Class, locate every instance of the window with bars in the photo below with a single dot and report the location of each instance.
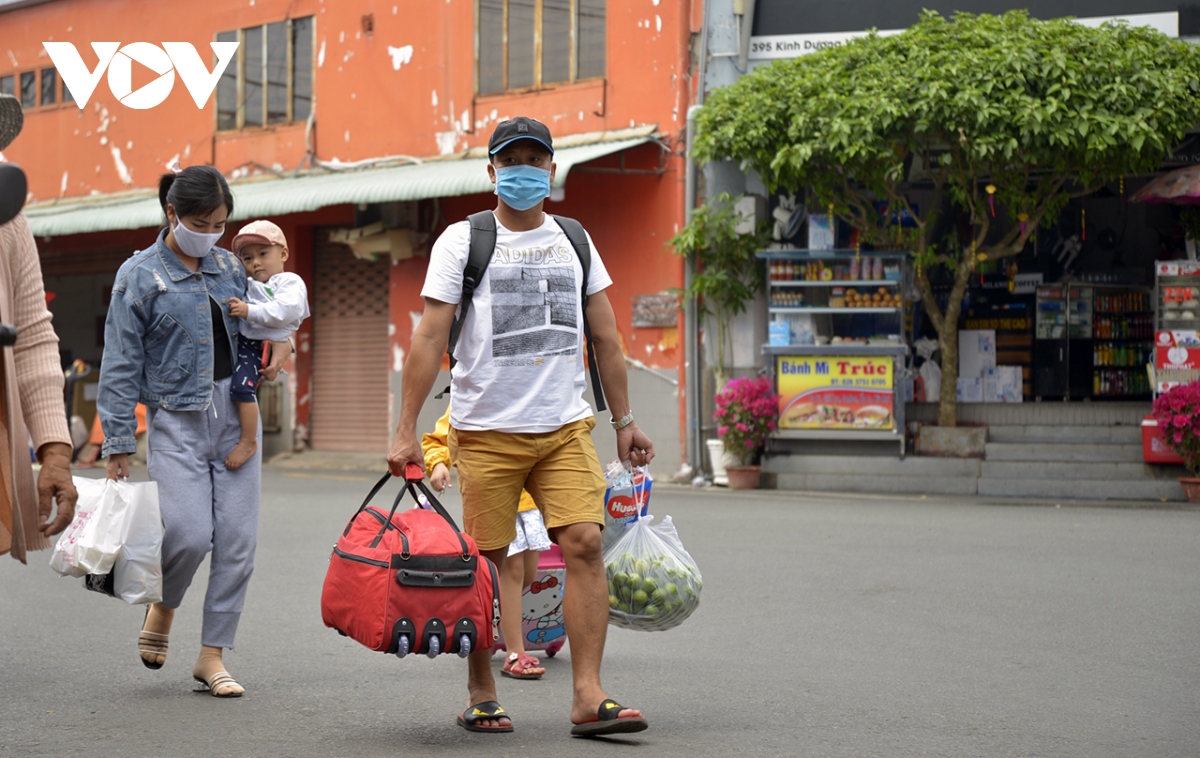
(530, 44)
(36, 89)
(271, 81)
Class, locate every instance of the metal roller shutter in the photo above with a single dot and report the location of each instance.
(350, 350)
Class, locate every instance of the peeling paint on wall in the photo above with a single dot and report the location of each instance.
(321, 55)
(397, 358)
(122, 170)
(446, 142)
(435, 98)
(400, 56)
(658, 23)
(63, 190)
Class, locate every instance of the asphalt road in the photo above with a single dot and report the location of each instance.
(829, 626)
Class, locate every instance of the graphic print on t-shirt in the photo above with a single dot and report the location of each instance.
(534, 307)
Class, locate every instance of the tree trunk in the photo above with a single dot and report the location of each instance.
(948, 340)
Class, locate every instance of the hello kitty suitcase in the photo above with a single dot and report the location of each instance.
(541, 606)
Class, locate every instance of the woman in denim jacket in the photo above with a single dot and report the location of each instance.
(169, 342)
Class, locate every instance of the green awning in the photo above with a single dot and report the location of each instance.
(258, 198)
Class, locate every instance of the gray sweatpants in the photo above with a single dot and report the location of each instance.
(206, 507)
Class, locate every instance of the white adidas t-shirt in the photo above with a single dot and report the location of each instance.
(520, 353)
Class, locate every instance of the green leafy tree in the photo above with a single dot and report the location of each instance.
(728, 274)
(1035, 111)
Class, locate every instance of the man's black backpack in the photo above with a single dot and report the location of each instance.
(483, 245)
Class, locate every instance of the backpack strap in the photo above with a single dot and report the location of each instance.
(579, 240)
(483, 245)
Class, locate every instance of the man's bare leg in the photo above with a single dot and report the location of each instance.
(585, 615)
(248, 416)
(481, 682)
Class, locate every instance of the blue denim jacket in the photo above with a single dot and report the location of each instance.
(158, 338)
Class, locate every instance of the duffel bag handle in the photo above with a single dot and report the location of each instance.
(370, 496)
(414, 478)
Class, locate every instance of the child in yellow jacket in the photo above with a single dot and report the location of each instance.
(518, 572)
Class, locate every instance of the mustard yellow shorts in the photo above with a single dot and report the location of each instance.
(560, 469)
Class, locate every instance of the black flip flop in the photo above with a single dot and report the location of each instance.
(488, 710)
(607, 723)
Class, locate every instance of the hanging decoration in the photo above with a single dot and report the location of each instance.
(1083, 221)
(991, 190)
(1022, 217)
(1122, 182)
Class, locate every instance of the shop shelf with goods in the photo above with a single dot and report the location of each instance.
(1176, 324)
(1092, 341)
(837, 346)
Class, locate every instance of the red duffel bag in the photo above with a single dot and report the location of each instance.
(411, 582)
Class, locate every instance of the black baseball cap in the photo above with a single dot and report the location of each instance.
(521, 127)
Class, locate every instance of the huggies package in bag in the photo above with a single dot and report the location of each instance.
(626, 500)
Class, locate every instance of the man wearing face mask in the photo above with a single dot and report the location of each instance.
(169, 342)
(518, 415)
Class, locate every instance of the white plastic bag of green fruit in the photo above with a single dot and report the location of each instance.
(653, 584)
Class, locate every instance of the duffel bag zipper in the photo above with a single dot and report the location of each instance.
(360, 559)
(495, 600)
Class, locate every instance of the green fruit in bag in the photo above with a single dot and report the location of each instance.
(635, 580)
(621, 579)
(640, 597)
(652, 610)
(658, 597)
(623, 607)
(649, 584)
(613, 601)
(672, 589)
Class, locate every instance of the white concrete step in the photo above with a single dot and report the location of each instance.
(1128, 435)
(881, 466)
(1087, 470)
(898, 485)
(1063, 451)
(1155, 490)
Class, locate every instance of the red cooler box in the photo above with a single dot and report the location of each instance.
(1154, 447)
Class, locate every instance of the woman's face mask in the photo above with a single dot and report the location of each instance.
(522, 187)
(195, 244)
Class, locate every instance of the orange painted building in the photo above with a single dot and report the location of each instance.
(358, 126)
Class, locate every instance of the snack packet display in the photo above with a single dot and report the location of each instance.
(653, 584)
(626, 500)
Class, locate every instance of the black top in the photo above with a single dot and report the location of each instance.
(222, 357)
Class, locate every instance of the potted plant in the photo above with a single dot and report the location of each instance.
(746, 413)
(1178, 414)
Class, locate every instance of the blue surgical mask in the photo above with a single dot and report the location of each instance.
(522, 187)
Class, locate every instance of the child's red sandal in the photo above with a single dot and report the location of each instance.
(518, 665)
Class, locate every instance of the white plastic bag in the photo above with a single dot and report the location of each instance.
(115, 540)
(90, 543)
(653, 583)
(137, 573)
